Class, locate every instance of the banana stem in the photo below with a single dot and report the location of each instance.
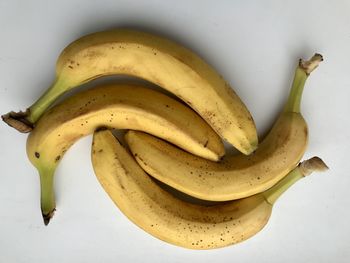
(45, 100)
(303, 169)
(48, 204)
(294, 99)
(278, 189)
(301, 73)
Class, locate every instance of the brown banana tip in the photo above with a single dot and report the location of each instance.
(314, 164)
(18, 121)
(47, 217)
(309, 65)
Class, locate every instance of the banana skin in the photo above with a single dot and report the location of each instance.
(114, 106)
(177, 222)
(236, 176)
(157, 60)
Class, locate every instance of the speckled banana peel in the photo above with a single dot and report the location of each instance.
(118, 106)
(177, 222)
(236, 176)
(159, 61)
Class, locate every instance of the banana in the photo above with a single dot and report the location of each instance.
(116, 106)
(173, 220)
(236, 176)
(159, 61)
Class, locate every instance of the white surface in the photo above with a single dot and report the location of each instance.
(255, 46)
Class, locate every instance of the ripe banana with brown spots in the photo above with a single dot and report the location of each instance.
(173, 220)
(236, 176)
(157, 60)
(115, 106)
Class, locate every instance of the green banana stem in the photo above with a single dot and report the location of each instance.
(294, 99)
(48, 204)
(45, 100)
(301, 74)
(278, 189)
(305, 168)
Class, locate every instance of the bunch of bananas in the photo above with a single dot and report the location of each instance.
(244, 186)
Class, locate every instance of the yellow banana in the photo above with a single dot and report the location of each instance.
(175, 221)
(157, 60)
(116, 106)
(235, 176)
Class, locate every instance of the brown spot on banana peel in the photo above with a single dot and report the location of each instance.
(58, 158)
(139, 158)
(206, 143)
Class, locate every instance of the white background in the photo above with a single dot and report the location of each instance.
(255, 46)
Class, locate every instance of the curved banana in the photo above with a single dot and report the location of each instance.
(157, 60)
(175, 221)
(235, 176)
(116, 106)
